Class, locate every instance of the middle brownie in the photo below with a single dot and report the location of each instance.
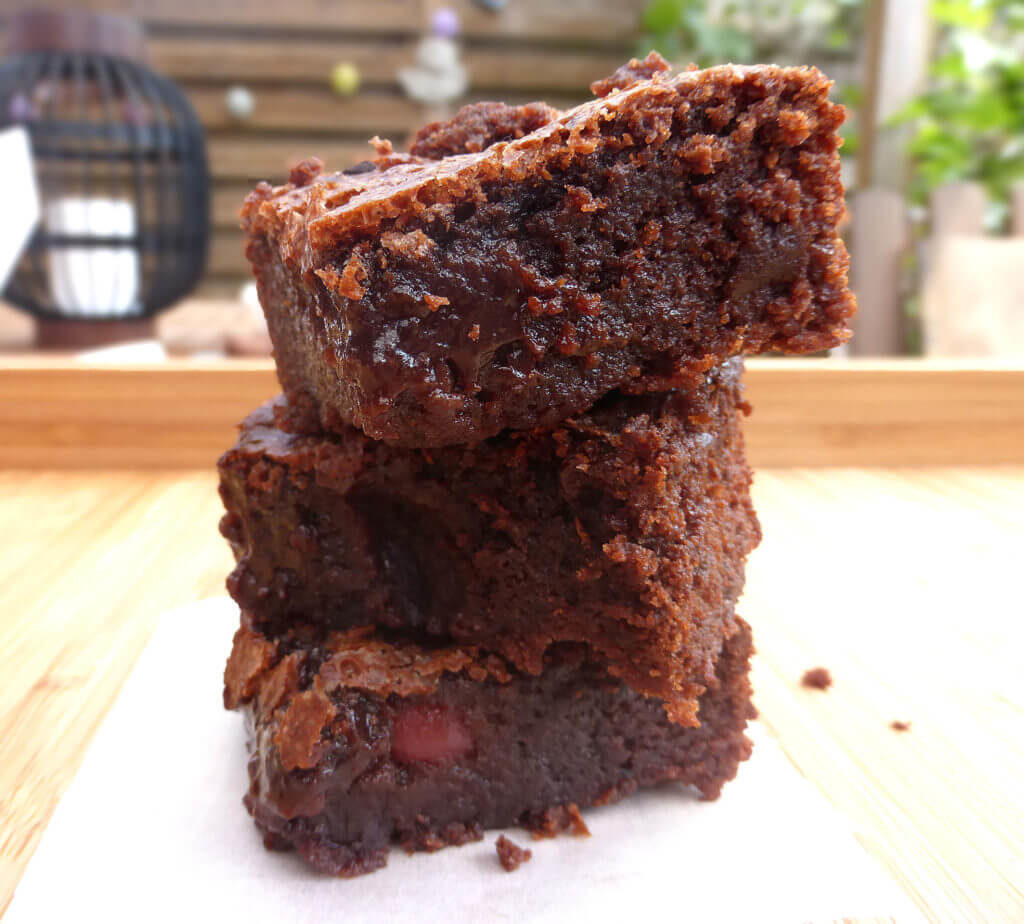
(626, 528)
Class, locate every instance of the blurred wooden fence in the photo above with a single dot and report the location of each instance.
(283, 52)
(971, 282)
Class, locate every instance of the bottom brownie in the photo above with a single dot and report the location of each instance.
(357, 742)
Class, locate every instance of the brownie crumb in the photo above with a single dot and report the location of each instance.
(477, 126)
(630, 74)
(558, 819)
(897, 725)
(576, 822)
(303, 173)
(817, 678)
(510, 855)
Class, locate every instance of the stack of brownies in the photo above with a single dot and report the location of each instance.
(490, 540)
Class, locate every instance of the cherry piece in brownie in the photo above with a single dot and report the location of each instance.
(626, 528)
(521, 262)
(358, 743)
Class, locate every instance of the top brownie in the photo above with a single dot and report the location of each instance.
(519, 263)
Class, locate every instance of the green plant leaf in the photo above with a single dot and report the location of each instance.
(662, 16)
(963, 13)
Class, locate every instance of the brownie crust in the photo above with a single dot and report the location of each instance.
(536, 260)
(477, 126)
(627, 528)
(358, 743)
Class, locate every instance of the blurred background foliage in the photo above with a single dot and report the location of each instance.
(786, 31)
(969, 123)
(705, 32)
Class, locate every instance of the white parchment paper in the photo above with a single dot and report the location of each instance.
(152, 829)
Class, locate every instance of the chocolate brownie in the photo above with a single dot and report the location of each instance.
(536, 260)
(359, 742)
(627, 528)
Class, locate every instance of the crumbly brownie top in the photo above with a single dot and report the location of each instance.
(629, 74)
(358, 658)
(477, 126)
(299, 675)
(337, 210)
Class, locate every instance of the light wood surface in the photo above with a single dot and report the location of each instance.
(64, 414)
(905, 585)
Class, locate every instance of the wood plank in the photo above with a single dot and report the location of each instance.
(611, 21)
(879, 238)
(177, 414)
(262, 59)
(227, 198)
(361, 16)
(312, 110)
(318, 111)
(251, 159)
(885, 412)
(226, 256)
(60, 414)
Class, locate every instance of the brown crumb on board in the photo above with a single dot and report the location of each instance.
(897, 725)
(553, 821)
(817, 678)
(510, 855)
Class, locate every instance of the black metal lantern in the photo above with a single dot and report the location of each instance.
(121, 170)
